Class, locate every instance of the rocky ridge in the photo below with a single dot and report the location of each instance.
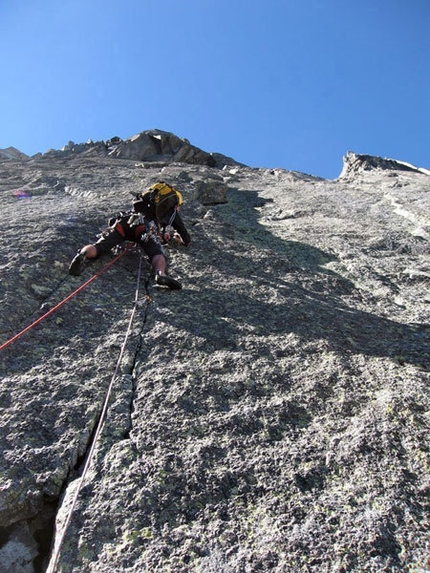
(271, 416)
(153, 145)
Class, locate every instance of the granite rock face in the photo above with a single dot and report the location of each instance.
(271, 416)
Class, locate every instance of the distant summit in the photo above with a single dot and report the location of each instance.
(12, 153)
(163, 147)
(354, 163)
(153, 145)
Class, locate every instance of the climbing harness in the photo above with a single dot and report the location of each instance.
(56, 552)
(60, 304)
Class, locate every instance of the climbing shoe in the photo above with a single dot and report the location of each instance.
(77, 265)
(164, 280)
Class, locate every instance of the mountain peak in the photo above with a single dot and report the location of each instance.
(153, 145)
(354, 163)
(12, 153)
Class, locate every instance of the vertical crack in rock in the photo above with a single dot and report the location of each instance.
(46, 537)
(129, 368)
(26, 546)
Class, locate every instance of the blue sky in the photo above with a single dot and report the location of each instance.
(275, 83)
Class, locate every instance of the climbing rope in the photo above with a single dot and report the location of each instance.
(60, 304)
(56, 552)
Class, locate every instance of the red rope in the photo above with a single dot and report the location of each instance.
(60, 304)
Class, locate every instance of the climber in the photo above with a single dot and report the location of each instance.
(154, 219)
(161, 203)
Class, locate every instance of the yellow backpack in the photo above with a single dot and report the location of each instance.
(164, 198)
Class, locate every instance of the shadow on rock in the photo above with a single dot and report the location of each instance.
(269, 286)
(243, 292)
(241, 212)
(227, 317)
